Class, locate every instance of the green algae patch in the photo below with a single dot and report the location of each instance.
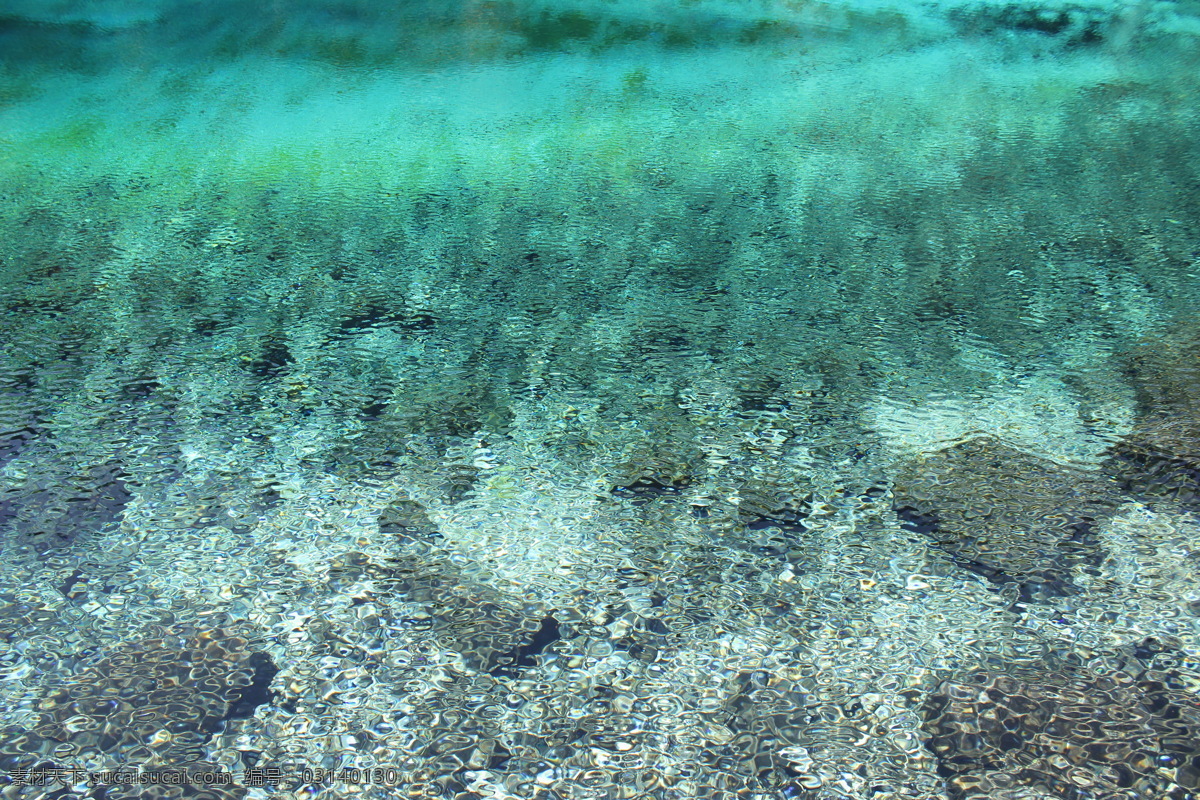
(71, 136)
(14, 88)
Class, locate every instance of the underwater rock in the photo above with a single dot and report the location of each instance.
(645, 489)
(1160, 458)
(19, 417)
(1070, 733)
(526, 654)
(763, 504)
(153, 703)
(426, 594)
(86, 501)
(1006, 515)
(1160, 462)
(273, 360)
(1070, 25)
(407, 519)
(155, 685)
(375, 316)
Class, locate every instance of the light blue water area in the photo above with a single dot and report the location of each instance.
(694, 399)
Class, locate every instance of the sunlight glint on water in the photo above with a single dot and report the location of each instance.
(599, 400)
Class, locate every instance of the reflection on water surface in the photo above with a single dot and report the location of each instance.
(599, 400)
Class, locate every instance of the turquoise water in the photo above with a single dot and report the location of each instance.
(600, 400)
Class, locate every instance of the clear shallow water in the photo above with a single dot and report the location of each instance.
(695, 401)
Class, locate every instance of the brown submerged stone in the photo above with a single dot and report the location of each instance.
(1074, 732)
(1160, 459)
(1007, 515)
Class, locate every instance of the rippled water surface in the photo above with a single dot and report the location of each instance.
(506, 400)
